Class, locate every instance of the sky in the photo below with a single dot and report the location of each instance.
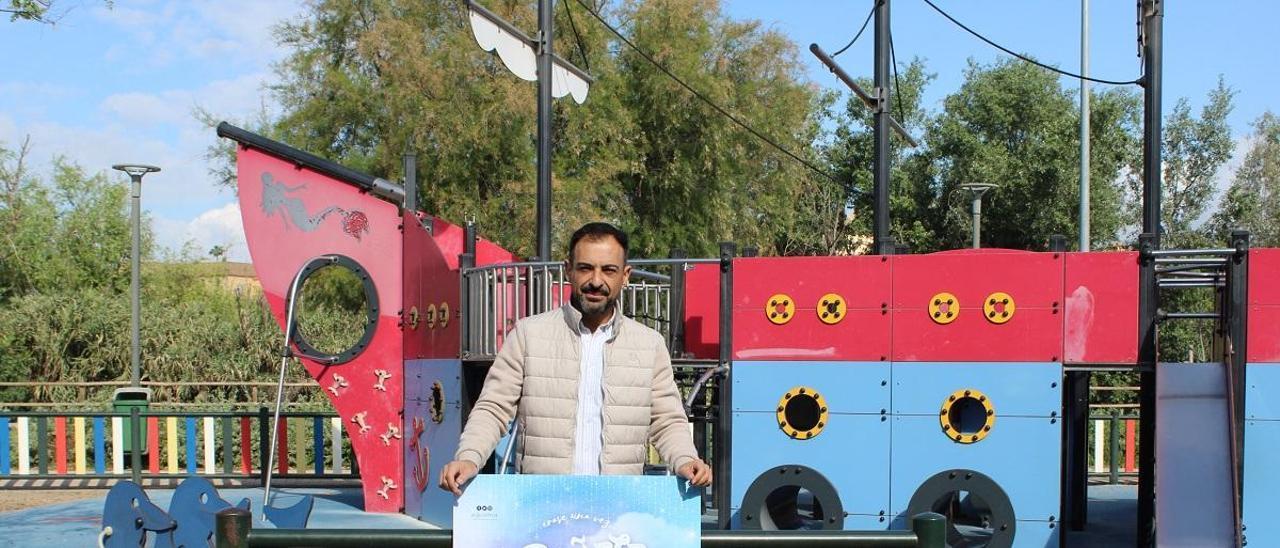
(119, 82)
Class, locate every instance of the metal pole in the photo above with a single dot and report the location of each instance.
(231, 529)
(1152, 56)
(977, 220)
(1084, 126)
(1148, 305)
(1149, 241)
(544, 127)
(1113, 442)
(136, 172)
(724, 389)
(135, 283)
(883, 240)
(930, 529)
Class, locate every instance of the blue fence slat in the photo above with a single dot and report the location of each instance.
(100, 445)
(4, 446)
(192, 442)
(317, 424)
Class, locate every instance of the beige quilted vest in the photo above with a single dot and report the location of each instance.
(535, 379)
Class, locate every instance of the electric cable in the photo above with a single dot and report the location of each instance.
(704, 98)
(576, 38)
(1028, 59)
(897, 85)
(856, 36)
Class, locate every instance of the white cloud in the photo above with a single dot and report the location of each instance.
(220, 226)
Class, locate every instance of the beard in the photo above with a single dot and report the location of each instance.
(593, 307)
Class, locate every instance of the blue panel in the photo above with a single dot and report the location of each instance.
(435, 442)
(100, 446)
(852, 452)
(4, 446)
(1261, 482)
(1262, 391)
(1028, 534)
(191, 446)
(317, 446)
(419, 375)
(1015, 389)
(1022, 455)
(848, 387)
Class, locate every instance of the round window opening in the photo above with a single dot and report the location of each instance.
(967, 416)
(969, 519)
(336, 313)
(791, 508)
(802, 413)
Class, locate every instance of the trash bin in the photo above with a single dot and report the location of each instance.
(124, 400)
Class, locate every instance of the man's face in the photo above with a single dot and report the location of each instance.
(598, 271)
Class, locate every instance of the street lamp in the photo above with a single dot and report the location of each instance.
(977, 189)
(136, 171)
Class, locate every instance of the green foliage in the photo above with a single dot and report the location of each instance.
(367, 81)
(1012, 124)
(64, 299)
(1252, 202)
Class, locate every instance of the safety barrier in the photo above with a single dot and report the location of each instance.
(496, 296)
(234, 530)
(172, 444)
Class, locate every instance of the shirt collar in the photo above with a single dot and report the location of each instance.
(574, 317)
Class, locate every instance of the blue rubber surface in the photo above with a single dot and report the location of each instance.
(78, 523)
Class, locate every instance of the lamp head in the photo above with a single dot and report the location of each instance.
(135, 170)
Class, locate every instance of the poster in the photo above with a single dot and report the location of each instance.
(534, 511)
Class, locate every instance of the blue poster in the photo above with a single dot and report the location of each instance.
(534, 511)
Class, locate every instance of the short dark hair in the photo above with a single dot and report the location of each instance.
(597, 231)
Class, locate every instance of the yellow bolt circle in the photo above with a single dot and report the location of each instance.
(444, 315)
(431, 316)
(831, 308)
(998, 308)
(944, 308)
(967, 416)
(802, 413)
(780, 308)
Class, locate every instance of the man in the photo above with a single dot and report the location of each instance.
(588, 385)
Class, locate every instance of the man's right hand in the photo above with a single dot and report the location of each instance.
(455, 474)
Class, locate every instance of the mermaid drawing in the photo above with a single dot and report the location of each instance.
(276, 197)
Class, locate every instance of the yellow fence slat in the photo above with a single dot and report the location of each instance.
(171, 442)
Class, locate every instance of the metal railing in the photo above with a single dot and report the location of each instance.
(496, 296)
(169, 444)
(234, 529)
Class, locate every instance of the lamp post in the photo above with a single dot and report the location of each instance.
(977, 189)
(135, 171)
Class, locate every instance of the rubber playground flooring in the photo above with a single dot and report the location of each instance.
(1112, 515)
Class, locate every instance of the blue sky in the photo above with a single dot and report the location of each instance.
(119, 84)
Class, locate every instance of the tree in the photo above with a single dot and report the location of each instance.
(1193, 150)
(1011, 124)
(1252, 202)
(367, 81)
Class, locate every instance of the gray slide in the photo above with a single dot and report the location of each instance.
(1195, 498)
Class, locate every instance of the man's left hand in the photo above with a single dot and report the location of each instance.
(697, 472)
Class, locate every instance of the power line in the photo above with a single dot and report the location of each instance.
(856, 36)
(1028, 59)
(704, 98)
(581, 51)
(897, 84)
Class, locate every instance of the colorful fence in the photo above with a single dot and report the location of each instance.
(172, 444)
(1113, 444)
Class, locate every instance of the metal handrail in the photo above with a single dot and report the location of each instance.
(497, 295)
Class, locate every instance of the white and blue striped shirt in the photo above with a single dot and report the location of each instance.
(589, 440)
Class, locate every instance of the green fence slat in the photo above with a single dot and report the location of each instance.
(228, 446)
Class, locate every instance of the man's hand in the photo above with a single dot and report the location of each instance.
(697, 472)
(459, 472)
